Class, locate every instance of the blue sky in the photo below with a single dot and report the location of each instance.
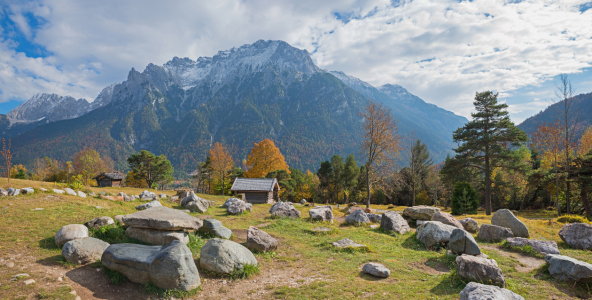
(442, 51)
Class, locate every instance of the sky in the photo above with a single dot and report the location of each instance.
(442, 51)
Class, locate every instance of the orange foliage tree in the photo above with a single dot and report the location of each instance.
(585, 144)
(88, 163)
(221, 162)
(264, 158)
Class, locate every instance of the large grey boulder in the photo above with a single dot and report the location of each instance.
(478, 291)
(224, 256)
(70, 191)
(28, 190)
(321, 213)
(432, 233)
(169, 267)
(229, 202)
(84, 251)
(239, 207)
(70, 232)
(13, 192)
(162, 218)
(446, 218)
(376, 269)
(216, 228)
(81, 194)
(493, 233)
(157, 237)
(200, 206)
(374, 218)
(284, 210)
(505, 218)
(99, 222)
(259, 240)
(462, 242)
(281, 205)
(475, 268)
(469, 225)
(566, 268)
(148, 205)
(542, 247)
(577, 235)
(420, 212)
(347, 243)
(392, 221)
(146, 195)
(358, 217)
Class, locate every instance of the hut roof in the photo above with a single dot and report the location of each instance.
(112, 176)
(254, 184)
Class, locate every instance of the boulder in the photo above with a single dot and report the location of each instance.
(13, 192)
(81, 194)
(146, 195)
(281, 205)
(184, 193)
(150, 204)
(174, 198)
(462, 242)
(303, 201)
(284, 210)
(505, 218)
(479, 269)
(127, 198)
(493, 233)
(119, 219)
(196, 204)
(229, 202)
(321, 213)
(566, 268)
(392, 221)
(169, 267)
(157, 237)
(469, 225)
(84, 251)
(162, 196)
(446, 218)
(70, 232)
(260, 241)
(542, 247)
(191, 197)
(376, 269)
(162, 218)
(420, 212)
(3, 192)
(345, 243)
(70, 191)
(224, 256)
(358, 217)
(577, 235)
(322, 229)
(121, 194)
(216, 228)
(239, 207)
(99, 222)
(432, 233)
(374, 218)
(58, 191)
(478, 291)
(29, 190)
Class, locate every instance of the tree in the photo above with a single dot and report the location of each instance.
(40, 168)
(88, 163)
(18, 172)
(349, 176)
(264, 158)
(337, 179)
(464, 199)
(153, 169)
(484, 141)
(381, 141)
(419, 161)
(585, 144)
(7, 158)
(583, 175)
(548, 140)
(325, 173)
(221, 162)
(133, 180)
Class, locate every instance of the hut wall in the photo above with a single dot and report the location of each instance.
(257, 197)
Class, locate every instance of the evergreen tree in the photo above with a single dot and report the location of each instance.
(419, 164)
(337, 179)
(350, 175)
(153, 169)
(483, 141)
(325, 173)
(582, 174)
(464, 199)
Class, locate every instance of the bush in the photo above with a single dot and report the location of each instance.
(464, 199)
(572, 219)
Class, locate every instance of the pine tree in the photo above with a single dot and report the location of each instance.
(350, 175)
(153, 169)
(337, 180)
(582, 174)
(484, 141)
(464, 199)
(325, 173)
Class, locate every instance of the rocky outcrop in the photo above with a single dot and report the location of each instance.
(420, 212)
(478, 291)
(392, 221)
(84, 251)
(157, 237)
(492, 233)
(224, 256)
(260, 241)
(376, 269)
(469, 225)
(479, 269)
(577, 235)
(462, 242)
(70, 232)
(99, 222)
(566, 268)
(542, 247)
(446, 218)
(215, 227)
(13, 192)
(162, 218)
(505, 218)
(321, 213)
(433, 233)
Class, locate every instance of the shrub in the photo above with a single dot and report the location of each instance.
(464, 199)
(571, 219)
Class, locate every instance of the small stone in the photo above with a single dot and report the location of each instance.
(376, 269)
(60, 279)
(20, 276)
(99, 222)
(29, 281)
(70, 191)
(374, 226)
(37, 209)
(9, 264)
(77, 298)
(73, 293)
(81, 194)
(345, 243)
(321, 229)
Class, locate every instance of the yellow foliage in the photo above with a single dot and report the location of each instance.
(131, 181)
(264, 158)
(585, 142)
(221, 161)
(15, 168)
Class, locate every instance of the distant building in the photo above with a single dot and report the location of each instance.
(257, 190)
(109, 179)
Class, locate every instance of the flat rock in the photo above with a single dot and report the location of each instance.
(577, 235)
(239, 207)
(493, 233)
(376, 269)
(479, 269)
(25, 191)
(392, 221)
(345, 243)
(478, 291)
(70, 191)
(216, 228)
(542, 247)
(420, 212)
(462, 242)
(260, 241)
(446, 218)
(58, 191)
(469, 225)
(148, 205)
(566, 268)
(432, 233)
(224, 256)
(162, 218)
(322, 229)
(157, 237)
(99, 222)
(505, 218)
(70, 232)
(29, 281)
(81, 194)
(84, 251)
(321, 213)
(358, 217)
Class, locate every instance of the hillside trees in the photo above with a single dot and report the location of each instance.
(7, 158)
(153, 169)
(548, 140)
(221, 162)
(88, 163)
(265, 157)
(582, 174)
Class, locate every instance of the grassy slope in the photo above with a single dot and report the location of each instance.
(338, 273)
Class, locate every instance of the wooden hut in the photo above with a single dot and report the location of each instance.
(257, 190)
(109, 179)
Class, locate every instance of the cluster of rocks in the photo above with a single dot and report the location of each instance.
(77, 246)
(284, 210)
(360, 217)
(160, 225)
(30, 190)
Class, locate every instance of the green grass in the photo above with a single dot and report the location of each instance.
(526, 249)
(150, 288)
(115, 277)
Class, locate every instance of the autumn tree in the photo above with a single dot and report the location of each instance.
(484, 141)
(264, 158)
(381, 140)
(18, 172)
(548, 140)
(221, 162)
(133, 180)
(153, 169)
(7, 158)
(40, 168)
(585, 144)
(88, 163)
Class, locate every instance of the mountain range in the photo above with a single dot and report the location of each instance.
(267, 89)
